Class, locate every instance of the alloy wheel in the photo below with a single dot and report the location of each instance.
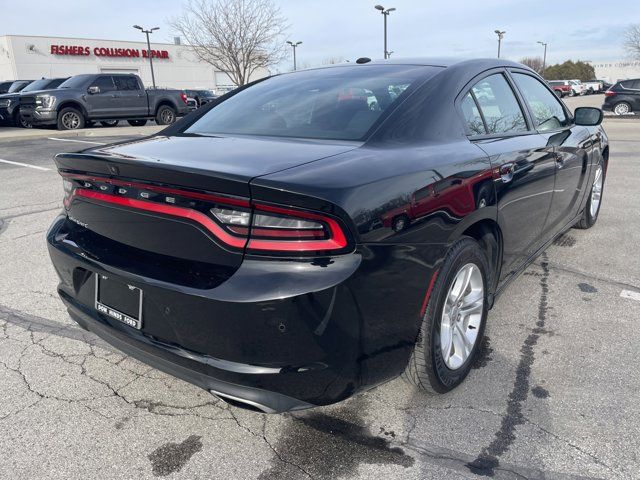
(167, 116)
(596, 193)
(71, 120)
(461, 316)
(621, 109)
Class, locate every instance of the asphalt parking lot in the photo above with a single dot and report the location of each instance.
(554, 394)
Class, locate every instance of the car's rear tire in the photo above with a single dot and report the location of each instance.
(137, 123)
(622, 108)
(109, 123)
(70, 119)
(165, 115)
(453, 325)
(594, 202)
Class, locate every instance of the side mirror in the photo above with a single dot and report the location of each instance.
(93, 90)
(588, 116)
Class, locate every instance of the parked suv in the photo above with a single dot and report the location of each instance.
(561, 87)
(623, 98)
(10, 102)
(104, 98)
(13, 86)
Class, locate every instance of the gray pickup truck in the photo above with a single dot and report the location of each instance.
(106, 98)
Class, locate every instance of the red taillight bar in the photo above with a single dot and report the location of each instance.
(172, 210)
(609, 93)
(299, 243)
(337, 241)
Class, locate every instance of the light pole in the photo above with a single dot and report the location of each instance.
(147, 32)
(544, 59)
(500, 35)
(294, 45)
(386, 13)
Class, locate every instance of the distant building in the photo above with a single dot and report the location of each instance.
(32, 57)
(613, 71)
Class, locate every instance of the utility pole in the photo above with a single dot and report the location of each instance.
(544, 59)
(294, 45)
(147, 32)
(386, 13)
(500, 35)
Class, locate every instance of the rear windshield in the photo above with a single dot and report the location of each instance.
(339, 103)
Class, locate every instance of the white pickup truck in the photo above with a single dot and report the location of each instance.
(578, 87)
(593, 86)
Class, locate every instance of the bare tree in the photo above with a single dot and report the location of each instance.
(332, 60)
(534, 63)
(235, 36)
(632, 41)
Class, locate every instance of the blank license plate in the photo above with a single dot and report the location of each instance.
(119, 301)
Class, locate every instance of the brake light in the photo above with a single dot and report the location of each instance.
(609, 93)
(236, 222)
(183, 96)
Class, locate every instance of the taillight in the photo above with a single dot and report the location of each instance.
(236, 222)
(609, 93)
(276, 229)
(183, 96)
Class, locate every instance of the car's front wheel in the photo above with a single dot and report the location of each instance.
(592, 209)
(454, 320)
(70, 119)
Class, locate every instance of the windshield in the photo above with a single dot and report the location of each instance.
(339, 103)
(17, 86)
(76, 82)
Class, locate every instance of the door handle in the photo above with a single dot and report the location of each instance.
(506, 171)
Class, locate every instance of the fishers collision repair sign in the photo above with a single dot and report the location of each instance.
(76, 50)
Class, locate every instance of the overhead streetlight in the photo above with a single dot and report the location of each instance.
(147, 32)
(500, 34)
(386, 13)
(294, 45)
(544, 59)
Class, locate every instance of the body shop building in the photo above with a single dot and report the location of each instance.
(175, 66)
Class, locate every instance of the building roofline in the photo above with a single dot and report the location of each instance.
(92, 39)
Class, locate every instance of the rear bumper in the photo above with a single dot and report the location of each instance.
(241, 339)
(277, 334)
(186, 366)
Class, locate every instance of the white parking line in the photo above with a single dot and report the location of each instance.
(75, 141)
(630, 294)
(23, 165)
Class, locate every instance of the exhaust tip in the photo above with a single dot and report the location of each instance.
(243, 403)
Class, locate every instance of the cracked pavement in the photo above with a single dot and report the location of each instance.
(554, 394)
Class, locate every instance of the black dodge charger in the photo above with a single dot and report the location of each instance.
(314, 234)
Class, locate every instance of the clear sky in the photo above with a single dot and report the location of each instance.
(574, 29)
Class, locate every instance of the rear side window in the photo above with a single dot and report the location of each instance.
(472, 115)
(126, 83)
(105, 83)
(547, 111)
(499, 106)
